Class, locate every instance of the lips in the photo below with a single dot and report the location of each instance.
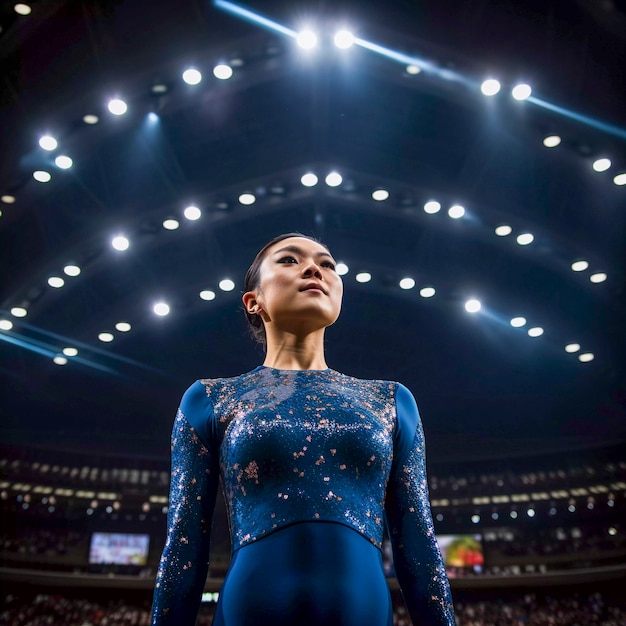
(316, 286)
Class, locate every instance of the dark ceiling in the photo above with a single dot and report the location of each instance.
(484, 387)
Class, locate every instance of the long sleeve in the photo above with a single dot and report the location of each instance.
(417, 559)
(193, 488)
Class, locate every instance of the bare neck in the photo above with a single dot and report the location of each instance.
(290, 352)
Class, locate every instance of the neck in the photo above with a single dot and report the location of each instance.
(290, 352)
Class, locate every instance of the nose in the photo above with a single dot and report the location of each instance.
(311, 268)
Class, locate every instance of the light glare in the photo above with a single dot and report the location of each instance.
(620, 179)
(207, 295)
(120, 243)
(117, 106)
(70, 351)
(525, 239)
(572, 347)
(192, 76)
(380, 194)
(551, 141)
(64, 162)
(192, 213)
(344, 39)
(8, 199)
(247, 199)
(41, 176)
(223, 71)
(598, 277)
(71, 270)
(170, 224)
(19, 311)
(413, 70)
(309, 179)
(490, 87)
(456, 211)
(60, 360)
(22, 8)
(56, 281)
(226, 284)
(334, 179)
(503, 230)
(47, 142)
(521, 91)
(307, 39)
(363, 277)
(432, 206)
(407, 283)
(342, 269)
(123, 327)
(106, 337)
(535, 331)
(161, 309)
(6, 324)
(601, 165)
(427, 292)
(91, 119)
(586, 357)
(580, 266)
(473, 306)
(518, 322)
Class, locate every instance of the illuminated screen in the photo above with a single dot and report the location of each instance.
(119, 548)
(462, 551)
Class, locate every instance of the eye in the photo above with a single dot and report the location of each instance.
(287, 259)
(329, 264)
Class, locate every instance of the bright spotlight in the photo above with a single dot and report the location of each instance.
(579, 266)
(117, 106)
(344, 39)
(620, 179)
(521, 92)
(7, 199)
(503, 230)
(432, 206)
(535, 331)
(551, 141)
(427, 292)
(413, 70)
(18, 311)
(473, 306)
(380, 194)
(47, 142)
(309, 180)
(525, 238)
(598, 277)
(21, 8)
(70, 351)
(123, 327)
(518, 322)
(6, 324)
(207, 294)
(170, 224)
(407, 283)
(247, 199)
(222, 71)
(106, 337)
(572, 347)
(192, 76)
(59, 360)
(161, 309)
(342, 269)
(56, 281)
(120, 243)
(192, 213)
(601, 165)
(90, 119)
(490, 87)
(307, 39)
(226, 284)
(456, 211)
(41, 176)
(363, 277)
(334, 179)
(63, 162)
(586, 357)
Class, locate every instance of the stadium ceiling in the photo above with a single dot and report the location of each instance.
(150, 148)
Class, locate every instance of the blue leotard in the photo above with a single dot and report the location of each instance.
(313, 463)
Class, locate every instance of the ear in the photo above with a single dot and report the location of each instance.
(249, 301)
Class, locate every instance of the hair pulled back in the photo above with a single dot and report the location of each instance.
(252, 279)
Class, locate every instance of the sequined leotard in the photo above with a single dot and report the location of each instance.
(312, 463)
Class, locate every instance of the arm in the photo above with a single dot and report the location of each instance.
(417, 559)
(193, 487)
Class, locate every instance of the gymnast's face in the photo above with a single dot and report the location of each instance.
(299, 289)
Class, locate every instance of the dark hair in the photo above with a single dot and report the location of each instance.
(251, 282)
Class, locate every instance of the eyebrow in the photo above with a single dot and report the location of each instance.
(298, 250)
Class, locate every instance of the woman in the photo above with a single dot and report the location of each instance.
(312, 462)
